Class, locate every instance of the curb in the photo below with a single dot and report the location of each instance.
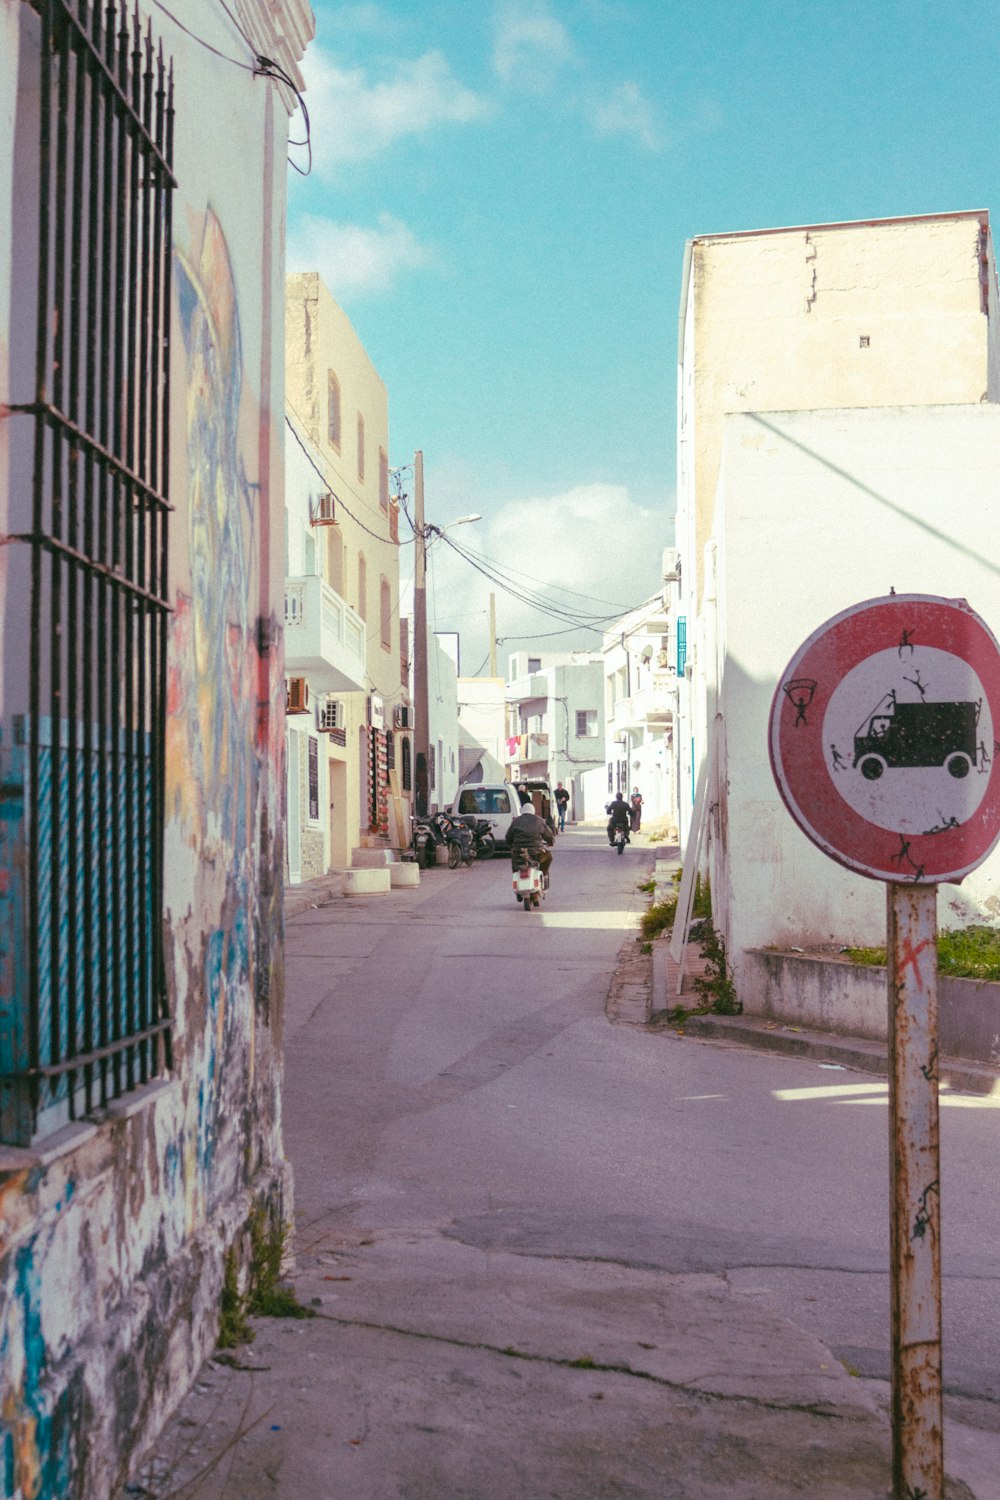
(852, 1052)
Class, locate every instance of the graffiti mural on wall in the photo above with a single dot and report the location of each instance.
(213, 761)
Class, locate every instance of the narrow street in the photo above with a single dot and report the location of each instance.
(549, 1256)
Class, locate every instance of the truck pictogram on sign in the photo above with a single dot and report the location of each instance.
(899, 735)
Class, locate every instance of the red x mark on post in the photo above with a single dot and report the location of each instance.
(910, 956)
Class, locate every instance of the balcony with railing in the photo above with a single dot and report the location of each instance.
(324, 637)
(651, 706)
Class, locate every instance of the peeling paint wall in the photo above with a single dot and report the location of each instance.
(113, 1232)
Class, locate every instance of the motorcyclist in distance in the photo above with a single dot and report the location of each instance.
(620, 817)
(530, 832)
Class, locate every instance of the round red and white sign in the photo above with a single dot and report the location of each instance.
(884, 738)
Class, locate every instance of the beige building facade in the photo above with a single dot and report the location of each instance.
(349, 722)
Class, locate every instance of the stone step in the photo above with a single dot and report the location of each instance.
(367, 881)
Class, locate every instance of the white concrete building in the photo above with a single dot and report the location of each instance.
(482, 728)
(837, 439)
(442, 719)
(643, 666)
(555, 718)
(885, 312)
(349, 725)
(818, 511)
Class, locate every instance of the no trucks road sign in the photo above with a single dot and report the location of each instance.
(884, 736)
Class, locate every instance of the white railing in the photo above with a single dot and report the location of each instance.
(324, 636)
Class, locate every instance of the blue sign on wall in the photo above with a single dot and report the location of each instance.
(682, 644)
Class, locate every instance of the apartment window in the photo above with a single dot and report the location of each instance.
(333, 410)
(586, 723)
(385, 613)
(335, 558)
(81, 839)
(383, 479)
(407, 764)
(362, 586)
(534, 663)
(313, 778)
(361, 447)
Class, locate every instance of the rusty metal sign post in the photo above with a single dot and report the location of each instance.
(915, 1182)
(884, 740)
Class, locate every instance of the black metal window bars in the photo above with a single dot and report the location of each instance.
(92, 1019)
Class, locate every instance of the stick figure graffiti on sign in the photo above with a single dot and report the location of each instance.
(838, 760)
(799, 692)
(984, 759)
(905, 644)
(921, 687)
(943, 824)
(903, 852)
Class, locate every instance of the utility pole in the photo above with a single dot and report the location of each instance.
(493, 635)
(421, 717)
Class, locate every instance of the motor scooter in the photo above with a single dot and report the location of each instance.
(530, 882)
(621, 838)
(482, 835)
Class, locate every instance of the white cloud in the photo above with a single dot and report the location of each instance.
(592, 538)
(530, 46)
(352, 258)
(355, 117)
(626, 111)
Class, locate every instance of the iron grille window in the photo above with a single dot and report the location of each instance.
(89, 1003)
(407, 765)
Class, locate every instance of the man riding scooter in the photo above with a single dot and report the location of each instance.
(619, 810)
(530, 833)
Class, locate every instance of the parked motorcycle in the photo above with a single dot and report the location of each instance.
(529, 882)
(485, 843)
(442, 831)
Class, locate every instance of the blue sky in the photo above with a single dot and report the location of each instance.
(500, 198)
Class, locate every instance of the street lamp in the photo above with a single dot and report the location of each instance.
(425, 534)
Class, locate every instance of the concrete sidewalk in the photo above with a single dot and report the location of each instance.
(471, 1360)
(436, 1369)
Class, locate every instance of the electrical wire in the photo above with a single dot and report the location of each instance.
(267, 68)
(531, 598)
(261, 67)
(357, 521)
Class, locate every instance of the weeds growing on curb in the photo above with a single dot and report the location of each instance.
(716, 986)
(265, 1296)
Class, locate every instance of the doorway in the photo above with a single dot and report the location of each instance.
(337, 782)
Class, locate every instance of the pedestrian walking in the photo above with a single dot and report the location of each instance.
(562, 803)
(635, 809)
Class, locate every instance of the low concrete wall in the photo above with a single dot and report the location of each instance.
(826, 993)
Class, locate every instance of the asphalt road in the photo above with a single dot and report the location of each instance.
(450, 1070)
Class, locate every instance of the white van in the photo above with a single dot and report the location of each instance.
(499, 804)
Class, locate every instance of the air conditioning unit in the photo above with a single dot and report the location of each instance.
(324, 510)
(330, 715)
(402, 716)
(297, 701)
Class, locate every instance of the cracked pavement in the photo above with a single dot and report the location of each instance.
(549, 1256)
